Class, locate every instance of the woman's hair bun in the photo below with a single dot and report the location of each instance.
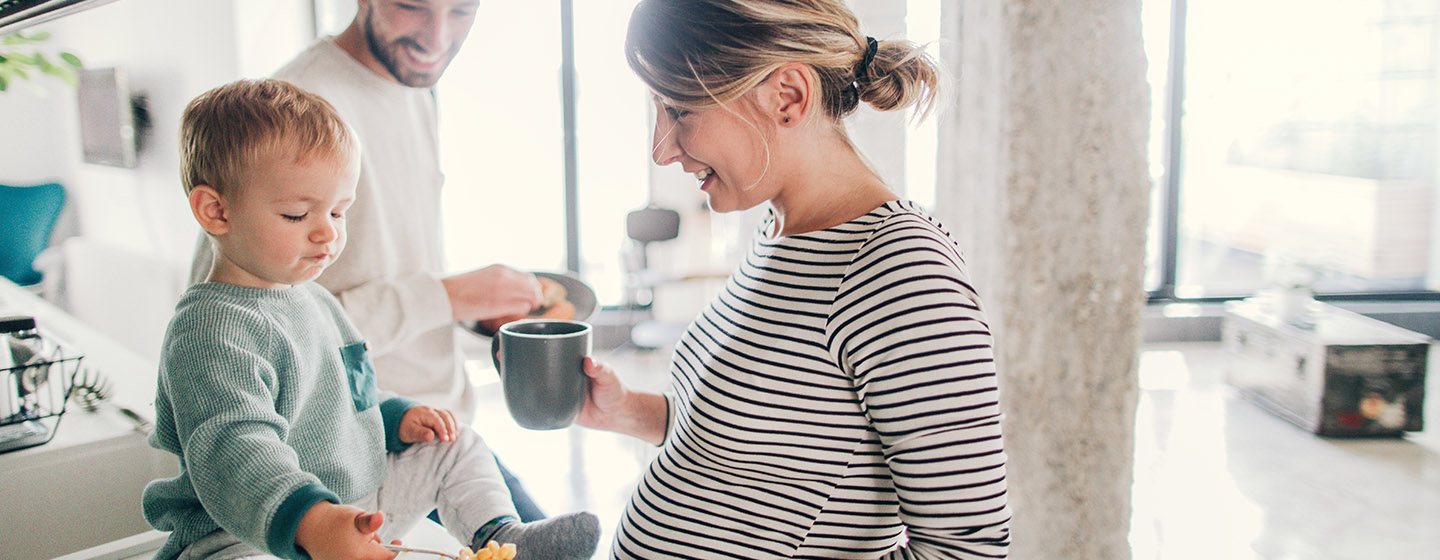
(902, 74)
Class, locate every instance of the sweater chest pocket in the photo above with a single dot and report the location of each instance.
(361, 374)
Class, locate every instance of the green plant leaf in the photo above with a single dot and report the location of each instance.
(3, 81)
(19, 60)
(21, 38)
(64, 73)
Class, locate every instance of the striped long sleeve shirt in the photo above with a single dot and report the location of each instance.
(838, 399)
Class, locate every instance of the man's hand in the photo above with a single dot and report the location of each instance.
(331, 531)
(493, 291)
(425, 423)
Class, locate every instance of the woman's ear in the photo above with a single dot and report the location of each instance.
(789, 94)
(209, 209)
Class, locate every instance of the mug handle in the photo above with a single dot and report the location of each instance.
(495, 353)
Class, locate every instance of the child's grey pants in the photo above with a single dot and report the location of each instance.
(458, 478)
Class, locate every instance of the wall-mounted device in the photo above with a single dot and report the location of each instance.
(111, 119)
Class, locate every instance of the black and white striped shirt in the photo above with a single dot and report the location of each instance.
(837, 400)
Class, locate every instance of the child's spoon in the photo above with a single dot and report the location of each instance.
(398, 548)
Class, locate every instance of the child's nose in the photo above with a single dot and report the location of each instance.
(326, 232)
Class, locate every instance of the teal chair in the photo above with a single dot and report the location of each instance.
(27, 217)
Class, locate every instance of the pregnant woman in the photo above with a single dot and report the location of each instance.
(838, 399)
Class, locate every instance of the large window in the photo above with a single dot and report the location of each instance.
(502, 141)
(1297, 138)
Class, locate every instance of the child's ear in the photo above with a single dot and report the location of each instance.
(209, 209)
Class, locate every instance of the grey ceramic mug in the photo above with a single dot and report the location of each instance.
(540, 365)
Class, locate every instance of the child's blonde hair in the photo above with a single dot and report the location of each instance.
(229, 128)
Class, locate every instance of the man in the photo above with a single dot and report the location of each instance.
(379, 73)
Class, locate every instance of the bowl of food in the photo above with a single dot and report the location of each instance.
(564, 297)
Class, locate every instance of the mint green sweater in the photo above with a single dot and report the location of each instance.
(268, 398)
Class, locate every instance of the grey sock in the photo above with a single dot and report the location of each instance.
(572, 536)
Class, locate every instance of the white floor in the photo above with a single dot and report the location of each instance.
(1218, 477)
(1215, 476)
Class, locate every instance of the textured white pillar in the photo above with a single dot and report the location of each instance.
(1045, 185)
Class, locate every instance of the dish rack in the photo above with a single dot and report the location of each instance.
(34, 386)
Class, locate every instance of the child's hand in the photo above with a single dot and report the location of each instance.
(341, 532)
(424, 423)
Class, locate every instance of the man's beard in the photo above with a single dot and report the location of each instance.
(388, 58)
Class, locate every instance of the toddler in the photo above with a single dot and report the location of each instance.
(266, 393)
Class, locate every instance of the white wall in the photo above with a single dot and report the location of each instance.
(137, 231)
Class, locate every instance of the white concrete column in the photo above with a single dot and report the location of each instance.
(1043, 180)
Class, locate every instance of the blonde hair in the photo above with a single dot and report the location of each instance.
(702, 53)
(227, 129)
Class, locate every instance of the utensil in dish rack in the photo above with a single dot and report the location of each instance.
(26, 360)
(90, 390)
(413, 550)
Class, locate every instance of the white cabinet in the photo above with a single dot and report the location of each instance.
(82, 488)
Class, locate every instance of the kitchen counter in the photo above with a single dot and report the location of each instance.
(82, 488)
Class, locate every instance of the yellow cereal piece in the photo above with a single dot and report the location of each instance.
(492, 551)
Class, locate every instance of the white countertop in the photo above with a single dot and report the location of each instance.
(83, 487)
(78, 496)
